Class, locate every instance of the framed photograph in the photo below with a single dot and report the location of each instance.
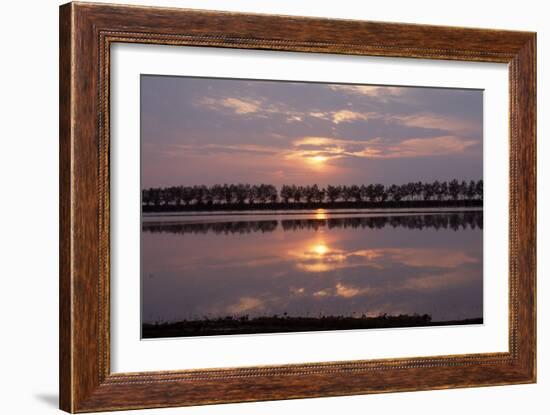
(260, 207)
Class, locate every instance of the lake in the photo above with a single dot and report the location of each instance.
(348, 265)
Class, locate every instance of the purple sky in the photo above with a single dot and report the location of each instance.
(208, 130)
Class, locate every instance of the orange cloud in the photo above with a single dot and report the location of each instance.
(435, 146)
(246, 304)
(250, 107)
(322, 293)
(438, 121)
(348, 291)
(434, 282)
(342, 290)
(369, 90)
(347, 116)
(238, 105)
(423, 257)
(334, 148)
(319, 257)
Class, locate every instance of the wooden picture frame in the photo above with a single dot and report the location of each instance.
(86, 33)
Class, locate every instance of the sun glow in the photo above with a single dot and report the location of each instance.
(317, 160)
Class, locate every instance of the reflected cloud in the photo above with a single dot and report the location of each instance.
(321, 293)
(297, 291)
(246, 304)
(438, 258)
(435, 281)
(349, 291)
(317, 257)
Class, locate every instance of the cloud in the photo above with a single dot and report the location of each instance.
(379, 148)
(453, 135)
(322, 293)
(320, 114)
(348, 116)
(207, 149)
(261, 108)
(251, 107)
(240, 106)
(435, 146)
(315, 141)
(437, 121)
(237, 105)
(315, 152)
(370, 90)
(344, 116)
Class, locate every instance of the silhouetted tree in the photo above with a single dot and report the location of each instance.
(333, 193)
(479, 189)
(297, 193)
(286, 193)
(454, 189)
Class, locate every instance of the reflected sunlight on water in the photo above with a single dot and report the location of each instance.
(321, 214)
(313, 266)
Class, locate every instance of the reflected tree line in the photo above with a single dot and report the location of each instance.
(452, 221)
(224, 196)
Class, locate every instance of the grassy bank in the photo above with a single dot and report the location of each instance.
(280, 324)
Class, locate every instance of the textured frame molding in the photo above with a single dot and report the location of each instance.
(86, 33)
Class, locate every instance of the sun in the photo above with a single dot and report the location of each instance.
(317, 161)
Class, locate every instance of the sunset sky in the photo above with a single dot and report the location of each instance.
(208, 131)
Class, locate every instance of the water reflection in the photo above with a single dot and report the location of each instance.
(321, 214)
(319, 257)
(317, 266)
(453, 221)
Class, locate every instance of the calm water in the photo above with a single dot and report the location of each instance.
(311, 264)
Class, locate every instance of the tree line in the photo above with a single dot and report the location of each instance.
(261, 194)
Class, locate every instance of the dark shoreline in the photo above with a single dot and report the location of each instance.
(264, 325)
(312, 205)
